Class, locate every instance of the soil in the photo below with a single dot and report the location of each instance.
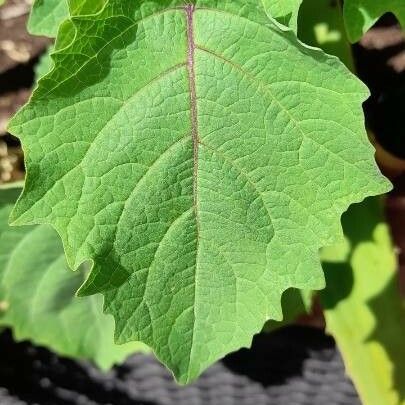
(17, 46)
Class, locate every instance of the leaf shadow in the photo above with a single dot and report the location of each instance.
(285, 19)
(86, 44)
(358, 229)
(80, 63)
(65, 293)
(274, 358)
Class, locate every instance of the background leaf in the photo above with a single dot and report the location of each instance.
(321, 24)
(361, 15)
(284, 11)
(363, 308)
(294, 304)
(37, 295)
(200, 167)
(44, 64)
(46, 17)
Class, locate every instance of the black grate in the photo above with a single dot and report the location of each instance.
(291, 366)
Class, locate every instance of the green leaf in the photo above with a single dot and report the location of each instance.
(85, 7)
(363, 308)
(37, 295)
(321, 24)
(200, 158)
(44, 64)
(46, 17)
(361, 15)
(284, 11)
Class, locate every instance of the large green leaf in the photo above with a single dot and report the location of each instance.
(199, 157)
(47, 15)
(37, 295)
(363, 308)
(284, 11)
(360, 15)
(320, 24)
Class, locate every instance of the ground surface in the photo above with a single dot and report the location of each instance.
(292, 366)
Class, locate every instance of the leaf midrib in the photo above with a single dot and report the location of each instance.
(191, 46)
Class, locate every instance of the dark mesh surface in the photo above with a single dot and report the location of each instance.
(292, 366)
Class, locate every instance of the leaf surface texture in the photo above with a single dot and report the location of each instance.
(199, 156)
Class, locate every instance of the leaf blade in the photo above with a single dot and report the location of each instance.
(263, 232)
(46, 16)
